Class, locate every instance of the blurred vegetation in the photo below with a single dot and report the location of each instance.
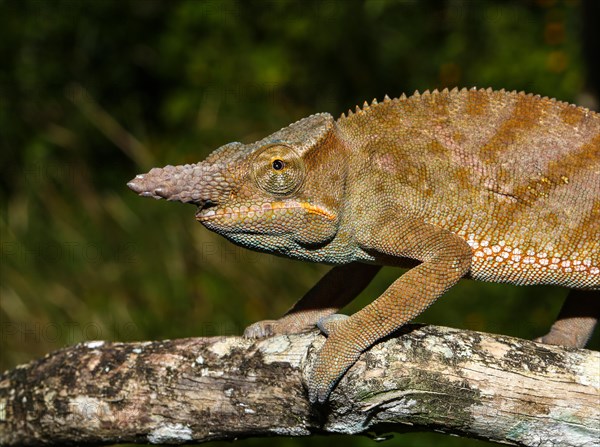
(94, 92)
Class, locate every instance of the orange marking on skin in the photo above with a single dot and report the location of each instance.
(317, 210)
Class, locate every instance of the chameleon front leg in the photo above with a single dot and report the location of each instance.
(445, 259)
(337, 288)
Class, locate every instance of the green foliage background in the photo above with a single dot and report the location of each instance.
(93, 92)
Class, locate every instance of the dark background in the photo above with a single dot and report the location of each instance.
(94, 92)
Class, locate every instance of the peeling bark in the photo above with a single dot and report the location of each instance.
(200, 389)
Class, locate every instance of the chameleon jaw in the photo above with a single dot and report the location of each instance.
(208, 213)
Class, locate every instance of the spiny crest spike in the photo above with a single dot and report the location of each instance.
(403, 96)
(435, 91)
(374, 102)
(489, 90)
(473, 89)
(445, 91)
(386, 98)
(454, 90)
(416, 94)
(464, 89)
(365, 105)
(357, 109)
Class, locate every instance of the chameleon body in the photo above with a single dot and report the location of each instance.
(493, 185)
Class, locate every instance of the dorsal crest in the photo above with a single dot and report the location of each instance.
(455, 93)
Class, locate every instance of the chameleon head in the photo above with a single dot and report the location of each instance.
(281, 194)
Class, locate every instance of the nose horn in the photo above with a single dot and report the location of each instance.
(160, 183)
(138, 185)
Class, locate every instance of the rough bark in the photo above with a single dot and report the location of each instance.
(200, 389)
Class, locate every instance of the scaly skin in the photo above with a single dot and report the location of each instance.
(493, 185)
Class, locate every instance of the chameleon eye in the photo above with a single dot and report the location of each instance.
(278, 169)
(278, 165)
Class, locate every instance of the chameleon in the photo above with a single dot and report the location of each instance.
(486, 184)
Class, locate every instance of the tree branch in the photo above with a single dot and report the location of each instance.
(199, 389)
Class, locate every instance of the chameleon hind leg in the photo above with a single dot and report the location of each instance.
(576, 321)
(337, 288)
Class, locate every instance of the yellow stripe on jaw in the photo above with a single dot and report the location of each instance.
(317, 210)
(309, 207)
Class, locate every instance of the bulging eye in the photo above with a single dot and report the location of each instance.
(278, 169)
(278, 165)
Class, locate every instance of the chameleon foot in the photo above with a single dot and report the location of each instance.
(334, 359)
(261, 329)
(285, 325)
(576, 320)
(557, 336)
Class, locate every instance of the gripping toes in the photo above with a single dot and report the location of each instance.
(334, 359)
(285, 325)
(261, 329)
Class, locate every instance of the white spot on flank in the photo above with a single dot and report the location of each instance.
(94, 344)
(200, 360)
(137, 350)
(170, 433)
(2, 410)
(474, 244)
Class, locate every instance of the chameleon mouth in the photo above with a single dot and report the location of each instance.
(207, 211)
